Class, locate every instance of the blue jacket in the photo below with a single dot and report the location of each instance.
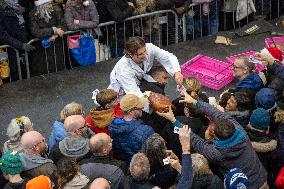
(128, 136)
(57, 134)
(252, 81)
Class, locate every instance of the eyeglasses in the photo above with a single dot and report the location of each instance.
(42, 141)
(84, 126)
(237, 67)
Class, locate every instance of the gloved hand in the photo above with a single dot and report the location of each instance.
(19, 9)
(27, 47)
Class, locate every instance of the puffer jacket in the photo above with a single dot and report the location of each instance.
(40, 28)
(87, 15)
(57, 134)
(128, 136)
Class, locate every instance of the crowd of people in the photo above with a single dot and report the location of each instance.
(21, 21)
(136, 137)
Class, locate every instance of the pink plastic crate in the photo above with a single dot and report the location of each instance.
(269, 41)
(258, 67)
(211, 73)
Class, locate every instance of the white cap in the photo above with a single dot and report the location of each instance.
(41, 2)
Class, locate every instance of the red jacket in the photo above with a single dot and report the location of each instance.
(103, 118)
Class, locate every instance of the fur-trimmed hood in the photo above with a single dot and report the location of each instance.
(279, 116)
(264, 147)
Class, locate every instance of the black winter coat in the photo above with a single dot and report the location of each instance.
(40, 28)
(11, 32)
(116, 10)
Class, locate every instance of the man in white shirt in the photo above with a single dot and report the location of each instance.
(137, 62)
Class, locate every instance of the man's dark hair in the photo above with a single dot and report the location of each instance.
(224, 129)
(133, 44)
(156, 70)
(243, 101)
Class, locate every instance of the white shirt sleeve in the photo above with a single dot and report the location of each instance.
(129, 84)
(167, 59)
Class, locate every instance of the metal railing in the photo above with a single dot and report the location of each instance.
(111, 32)
(168, 26)
(14, 55)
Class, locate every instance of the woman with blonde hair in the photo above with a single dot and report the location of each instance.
(58, 132)
(192, 87)
(16, 128)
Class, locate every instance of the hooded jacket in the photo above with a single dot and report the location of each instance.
(76, 148)
(34, 166)
(264, 145)
(78, 182)
(128, 136)
(99, 120)
(236, 151)
(57, 134)
(252, 81)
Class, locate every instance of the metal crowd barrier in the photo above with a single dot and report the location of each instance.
(171, 28)
(15, 55)
(111, 36)
(268, 9)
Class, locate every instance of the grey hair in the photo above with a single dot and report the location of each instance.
(139, 167)
(247, 63)
(42, 12)
(14, 130)
(200, 165)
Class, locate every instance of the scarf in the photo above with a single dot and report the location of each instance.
(237, 137)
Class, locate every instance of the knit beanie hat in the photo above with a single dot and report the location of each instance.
(260, 119)
(273, 52)
(40, 182)
(236, 179)
(74, 147)
(11, 163)
(265, 98)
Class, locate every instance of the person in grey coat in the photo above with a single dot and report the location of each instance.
(81, 15)
(231, 146)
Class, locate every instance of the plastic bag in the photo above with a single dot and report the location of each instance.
(85, 53)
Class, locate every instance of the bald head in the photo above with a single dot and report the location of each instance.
(31, 138)
(100, 183)
(100, 144)
(33, 142)
(73, 123)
